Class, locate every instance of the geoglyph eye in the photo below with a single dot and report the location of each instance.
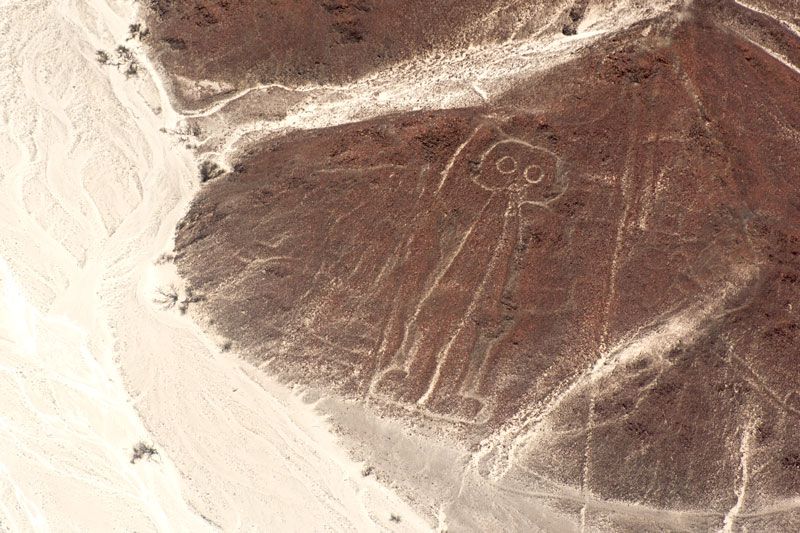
(506, 165)
(533, 173)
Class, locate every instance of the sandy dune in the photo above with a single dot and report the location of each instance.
(91, 191)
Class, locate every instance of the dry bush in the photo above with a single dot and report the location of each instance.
(167, 298)
(210, 170)
(189, 299)
(142, 450)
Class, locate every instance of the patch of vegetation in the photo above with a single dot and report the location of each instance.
(168, 298)
(186, 131)
(367, 470)
(210, 170)
(189, 299)
(142, 450)
(122, 58)
(193, 129)
(165, 258)
(162, 7)
(124, 53)
(137, 31)
(132, 70)
(394, 518)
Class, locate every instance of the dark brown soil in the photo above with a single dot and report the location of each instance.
(245, 42)
(473, 266)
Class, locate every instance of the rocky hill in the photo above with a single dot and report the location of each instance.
(589, 279)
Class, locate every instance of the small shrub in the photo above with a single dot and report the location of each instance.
(394, 518)
(136, 31)
(142, 450)
(226, 346)
(210, 170)
(124, 53)
(190, 298)
(102, 57)
(165, 258)
(132, 70)
(367, 471)
(167, 298)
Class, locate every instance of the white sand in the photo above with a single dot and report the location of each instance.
(90, 191)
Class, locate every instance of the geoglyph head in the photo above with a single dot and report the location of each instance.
(516, 166)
